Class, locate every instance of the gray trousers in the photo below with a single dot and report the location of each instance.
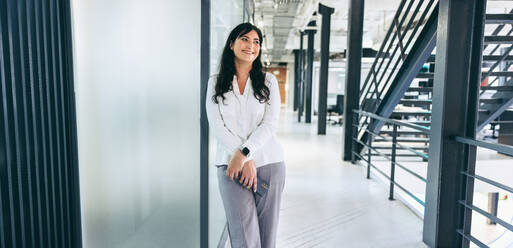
(252, 219)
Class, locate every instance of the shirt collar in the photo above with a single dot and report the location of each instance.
(236, 85)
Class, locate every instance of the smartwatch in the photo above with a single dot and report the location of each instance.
(245, 151)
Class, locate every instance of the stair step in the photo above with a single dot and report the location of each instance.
(421, 123)
(483, 114)
(431, 58)
(491, 100)
(423, 148)
(402, 132)
(397, 154)
(498, 88)
(499, 19)
(426, 75)
(500, 74)
(496, 57)
(415, 102)
(499, 39)
(410, 140)
(410, 113)
(420, 89)
(430, 75)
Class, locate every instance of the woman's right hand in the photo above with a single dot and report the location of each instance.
(249, 175)
(235, 165)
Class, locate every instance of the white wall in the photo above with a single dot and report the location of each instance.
(137, 88)
(336, 83)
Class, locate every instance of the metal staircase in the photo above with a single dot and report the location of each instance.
(496, 96)
(388, 90)
(407, 46)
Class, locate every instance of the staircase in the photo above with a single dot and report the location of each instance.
(404, 92)
(496, 96)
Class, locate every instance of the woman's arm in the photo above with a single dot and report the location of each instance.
(226, 138)
(267, 128)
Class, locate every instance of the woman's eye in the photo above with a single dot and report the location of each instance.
(257, 42)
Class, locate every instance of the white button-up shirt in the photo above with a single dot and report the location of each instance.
(242, 121)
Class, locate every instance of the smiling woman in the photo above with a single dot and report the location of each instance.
(243, 108)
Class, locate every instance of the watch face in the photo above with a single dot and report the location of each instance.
(245, 151)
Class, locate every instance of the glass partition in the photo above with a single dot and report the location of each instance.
(137, 74)
(225, 15)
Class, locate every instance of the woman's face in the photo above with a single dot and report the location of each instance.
(246, 47)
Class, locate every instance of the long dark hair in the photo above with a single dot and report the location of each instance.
(227, 67)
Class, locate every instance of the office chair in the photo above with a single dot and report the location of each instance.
(338, 109)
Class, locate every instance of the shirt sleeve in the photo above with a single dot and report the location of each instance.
(224, 136)
(269, 124)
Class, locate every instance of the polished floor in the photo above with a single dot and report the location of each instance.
(329, 203)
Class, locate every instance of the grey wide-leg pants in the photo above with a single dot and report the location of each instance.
(252, 219)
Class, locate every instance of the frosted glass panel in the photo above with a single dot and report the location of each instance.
(225, 15)
(137, 74)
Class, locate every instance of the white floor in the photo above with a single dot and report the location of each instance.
(329, 203)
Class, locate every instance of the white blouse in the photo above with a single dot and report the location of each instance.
(242, 121)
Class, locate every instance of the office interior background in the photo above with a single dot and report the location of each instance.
(397, 121)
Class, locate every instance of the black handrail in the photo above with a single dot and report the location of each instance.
(492, 146)
(392, 158)
(380, 52)
(396, 25)
(467, 204)
(423, 129)
(388, 81)
(407, 21)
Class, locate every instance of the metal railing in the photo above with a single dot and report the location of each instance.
(393, 157)
(470, 176)
(398, 38)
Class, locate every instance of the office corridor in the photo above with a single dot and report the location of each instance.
(329, 203)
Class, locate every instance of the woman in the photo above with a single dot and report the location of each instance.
(243, 108)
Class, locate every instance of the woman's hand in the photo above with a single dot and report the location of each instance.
(235, 165)
(249, 175)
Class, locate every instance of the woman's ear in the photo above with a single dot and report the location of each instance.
(231, 45)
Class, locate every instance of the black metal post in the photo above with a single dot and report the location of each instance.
(369, 155)
(301, 98)
(392, 163)
(204, 131)
(455, 104)
(323, 78)
(493, 205)
(353, 141)
(296, 78)
(503, 66)
(353, 71)
(309, 71)
(243, 10)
